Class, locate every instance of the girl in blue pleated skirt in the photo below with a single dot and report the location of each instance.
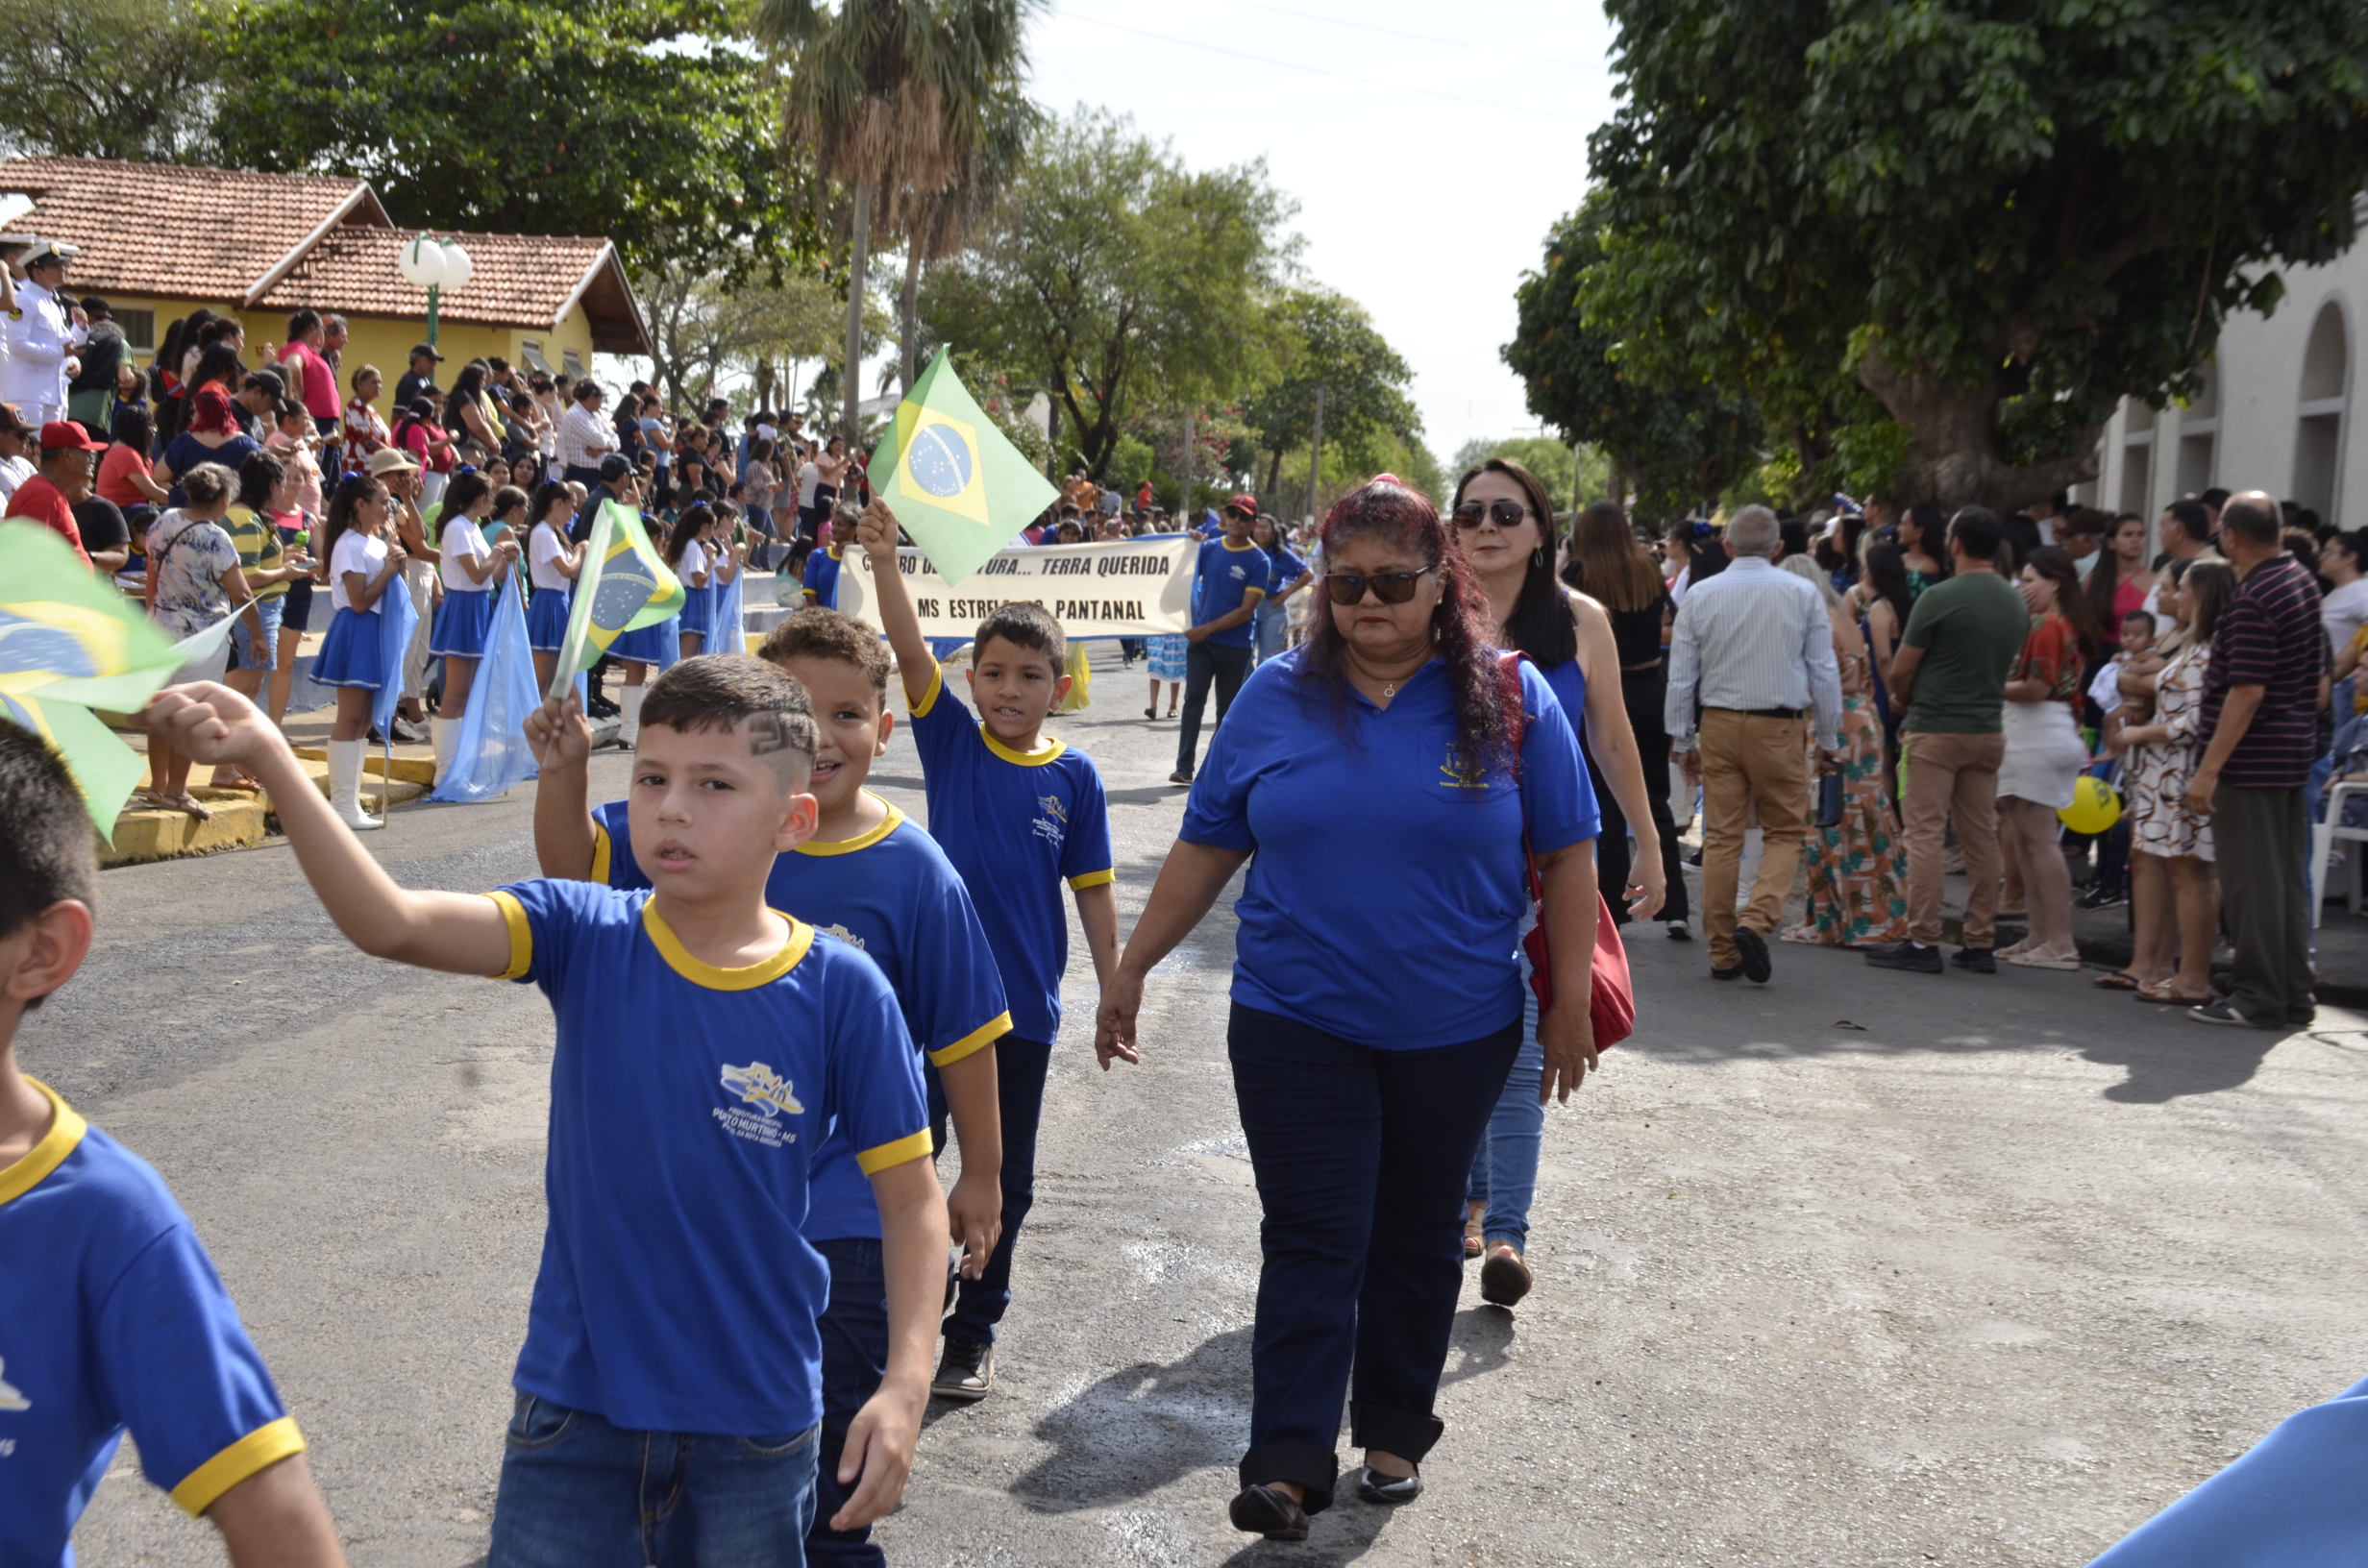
(472, 568)
(554, 564)
(690, 552)
(362, 563)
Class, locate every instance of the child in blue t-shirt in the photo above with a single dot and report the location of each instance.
(112, 1317)
(820, 582)
(1018, 812)
(1229, 580)
(706, 1047)
(871, 878)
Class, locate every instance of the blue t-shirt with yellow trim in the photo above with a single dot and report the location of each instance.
(821, 578)
(112, 1317)
(677, 1291)
(1387, 897)
(1016, 827)
(1226, 576)
(893, 894)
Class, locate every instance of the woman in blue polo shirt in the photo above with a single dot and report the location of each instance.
(1387, 776)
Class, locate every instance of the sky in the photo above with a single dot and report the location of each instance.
(1428, 159)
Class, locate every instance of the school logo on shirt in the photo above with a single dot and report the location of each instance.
(844, 935)
(1238, 573)
(1459, 771)
(9, 1398)
(758, 1084)
(1053, 807)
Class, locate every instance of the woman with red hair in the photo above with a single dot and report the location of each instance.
(213, 437)
(1390, 774)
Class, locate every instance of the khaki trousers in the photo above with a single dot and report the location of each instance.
(1747, 758)
(1960, 772)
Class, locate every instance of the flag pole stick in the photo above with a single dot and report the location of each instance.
(386, 775)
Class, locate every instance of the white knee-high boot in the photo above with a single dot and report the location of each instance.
(442, 733)
(345, 758)
(628, 716)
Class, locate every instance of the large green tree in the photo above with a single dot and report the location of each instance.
(1120, 277)
(127, 78)
(1324, 342)
(637, 119)
(1997, 216)
(1674, 447)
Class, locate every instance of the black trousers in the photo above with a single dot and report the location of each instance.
(2262, 841)
(1640, 692)
(1361, 1155)
(1203, 664)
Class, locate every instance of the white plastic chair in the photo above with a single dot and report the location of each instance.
(2324, 836)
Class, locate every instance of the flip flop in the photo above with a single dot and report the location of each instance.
(2118, 980)
(2159, 993)
(189, 805)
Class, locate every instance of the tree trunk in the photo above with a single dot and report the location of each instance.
(852, 378)
(909, 317)
(1953, 461)
(764, 382)
(1275, 471)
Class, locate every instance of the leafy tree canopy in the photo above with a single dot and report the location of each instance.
(637, 119)
(1997, 216)
(1324, 341)
(104, 78)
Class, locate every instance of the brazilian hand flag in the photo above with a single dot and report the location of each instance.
(70, 641)
(624, 584)
(958, 486)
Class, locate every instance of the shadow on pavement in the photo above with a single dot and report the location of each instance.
(1481, 1344)
(1344, 1533)
(2185, 1057)
(1139, 1428)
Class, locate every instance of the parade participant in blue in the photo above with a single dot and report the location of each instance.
(671, 1347)
(822, 568)
(1291, 574)
(1228, 583)
(691, 551)
(472, 570)
(871, 878)
(554, 563)
(44, 329)
(363, 564)
(644, 648)
(1388, 775)
(1018, 812)
(112, 1317)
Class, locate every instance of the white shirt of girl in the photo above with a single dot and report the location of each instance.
(547, 549)
(462, 537)
(355, 552)
(695, 560)
(809, 476)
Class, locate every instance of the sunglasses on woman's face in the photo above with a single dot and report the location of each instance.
(1505, 514)
(1390, 587)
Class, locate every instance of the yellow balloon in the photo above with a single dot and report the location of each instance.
(2095, 806)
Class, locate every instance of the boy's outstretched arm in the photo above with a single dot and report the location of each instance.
(975, 1208)
(562, 742)
(459, 932)
(877, 533)
(276, 1519)
(880, 1439)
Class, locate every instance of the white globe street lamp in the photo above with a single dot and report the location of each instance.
(434, 265)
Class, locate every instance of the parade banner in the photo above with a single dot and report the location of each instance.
(1121, 588)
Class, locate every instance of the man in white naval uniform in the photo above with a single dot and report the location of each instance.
(43, 331)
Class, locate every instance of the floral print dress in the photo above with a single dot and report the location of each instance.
(1858, 870)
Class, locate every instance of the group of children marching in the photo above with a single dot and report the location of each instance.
(773, 992)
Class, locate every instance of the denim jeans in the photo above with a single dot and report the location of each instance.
(251, 654)
(580, 1493)
(1272, 626)
(1020, 1069)
(1504, 1168)
(855, 1330)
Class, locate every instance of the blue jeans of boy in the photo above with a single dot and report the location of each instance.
(855, 1330)
(1020, 1069)
(1504, 1168)
(580, 1493)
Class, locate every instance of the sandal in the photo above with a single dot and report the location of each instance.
(189, 805)
(2011, 954)
(2046, 958)
(2118, 980)
(1472, 1214)
(2160, 992)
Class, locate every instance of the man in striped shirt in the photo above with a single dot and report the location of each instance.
(2261, 698)
(1755, 647)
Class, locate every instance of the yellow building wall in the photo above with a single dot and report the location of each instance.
(385, 341)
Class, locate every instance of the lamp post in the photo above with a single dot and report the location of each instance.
(436, 266)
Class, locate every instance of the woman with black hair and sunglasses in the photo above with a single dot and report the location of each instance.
(1388, 774)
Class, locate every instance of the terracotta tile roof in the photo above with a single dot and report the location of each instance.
(514, 280)
(169, 230)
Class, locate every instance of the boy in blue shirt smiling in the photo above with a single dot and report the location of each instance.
(111, 1315)
(670, 1386)
(1018, 812)
(1228, 584)
(871, 878)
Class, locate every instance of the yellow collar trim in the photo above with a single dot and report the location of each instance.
(862, 841)
(1037, 758)
(702, 973)
(1247, 544)
(65, 1136)
(834, 550)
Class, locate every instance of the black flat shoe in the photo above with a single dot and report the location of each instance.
(1752, 949)
(1375, 1487)
(1505, 1276)
(1269, 1511)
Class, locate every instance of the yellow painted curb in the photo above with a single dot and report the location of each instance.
(419, 770)
(163, 835)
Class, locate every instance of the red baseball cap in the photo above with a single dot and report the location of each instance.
(1247, 505)
(64, 435)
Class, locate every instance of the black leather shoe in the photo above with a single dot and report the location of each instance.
(1375, 1487)
(1269, 1511)
(1733, 972)
(1976, 960)
(1906, 955)
(1752, 949)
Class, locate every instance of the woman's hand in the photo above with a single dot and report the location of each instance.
(1568, 1033)
(1651, 888)
(1114, 1026)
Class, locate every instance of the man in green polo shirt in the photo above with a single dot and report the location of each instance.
(1950, 675)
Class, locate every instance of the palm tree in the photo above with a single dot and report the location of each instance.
(942, 223)
(889, 96)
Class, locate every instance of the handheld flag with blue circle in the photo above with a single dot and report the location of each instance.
(955, 483)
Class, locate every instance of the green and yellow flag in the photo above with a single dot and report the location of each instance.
(70, 641)
(624, 584)
(956, 484)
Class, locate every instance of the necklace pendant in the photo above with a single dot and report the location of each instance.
(1390, 691)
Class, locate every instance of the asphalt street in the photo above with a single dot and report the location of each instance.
(1852, 1268)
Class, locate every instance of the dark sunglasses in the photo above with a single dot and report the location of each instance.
(1505, 514)
(1390, 587)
